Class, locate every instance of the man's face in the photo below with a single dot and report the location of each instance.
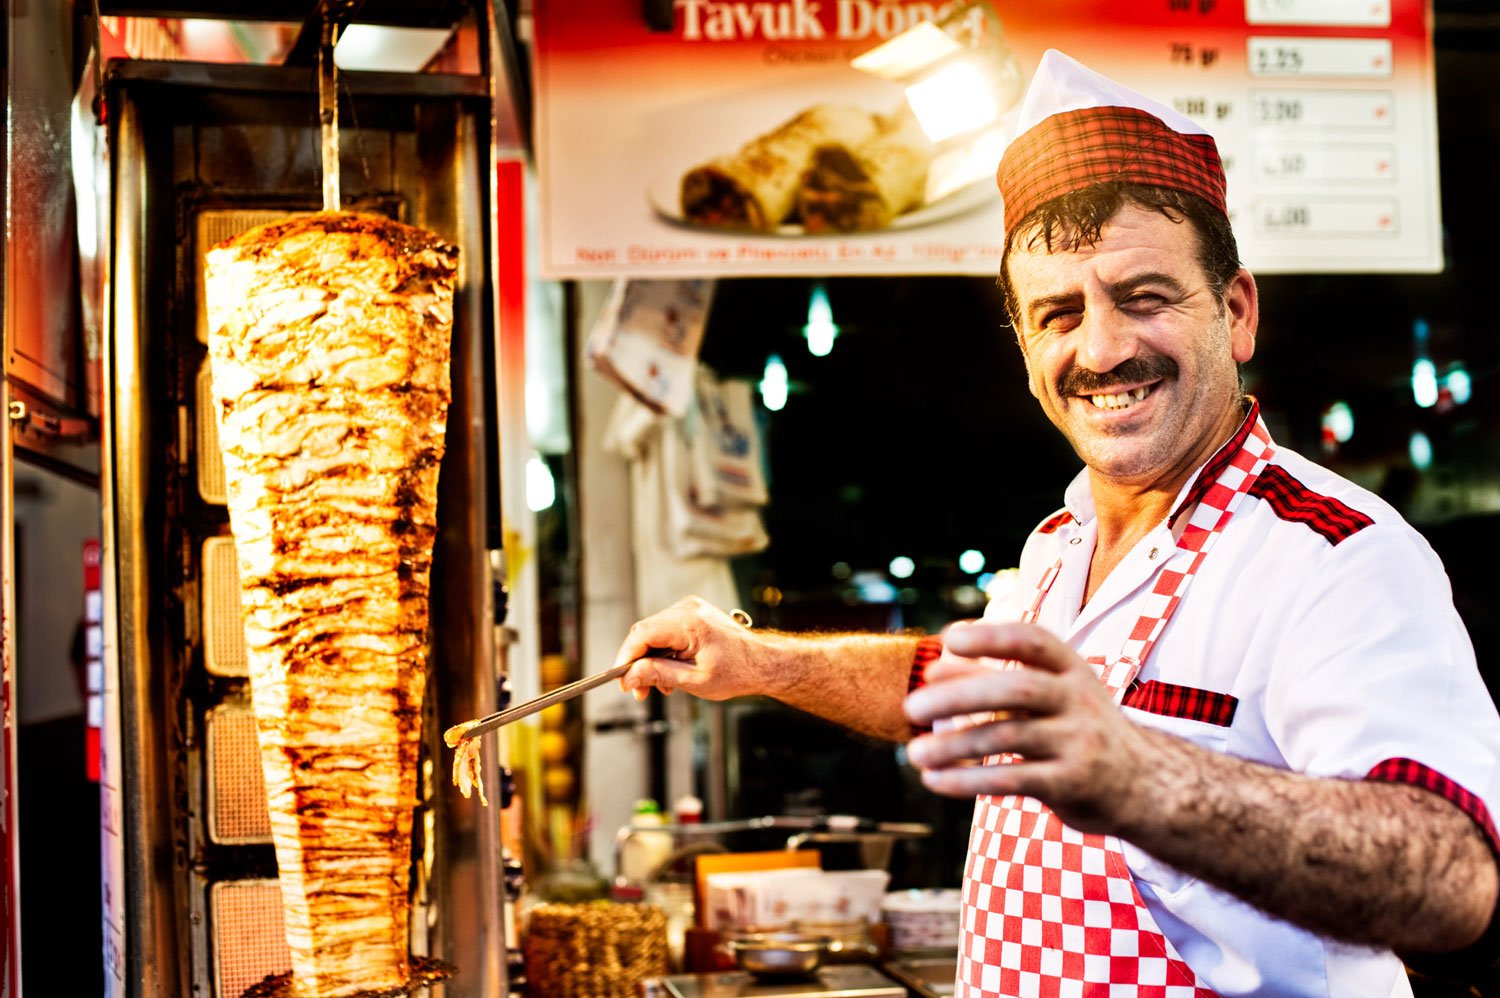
(1130, 352)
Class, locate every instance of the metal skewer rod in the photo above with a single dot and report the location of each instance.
(328, 112)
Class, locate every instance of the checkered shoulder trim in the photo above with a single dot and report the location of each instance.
(928, 649)
(1295, 502)
(1413, 773)
(1052, 523)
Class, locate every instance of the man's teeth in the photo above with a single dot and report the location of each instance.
(1124, 400)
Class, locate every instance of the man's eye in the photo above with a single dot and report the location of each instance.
(1144, 300)
(1063, 317)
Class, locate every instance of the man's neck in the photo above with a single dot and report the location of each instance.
(1125, 514)
(1127, 511)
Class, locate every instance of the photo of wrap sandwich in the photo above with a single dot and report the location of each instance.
(756, 187)
(866, 186)
(827, 170)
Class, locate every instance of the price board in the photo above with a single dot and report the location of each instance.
(1324, 112)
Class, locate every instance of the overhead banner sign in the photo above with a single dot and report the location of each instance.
(742, 140)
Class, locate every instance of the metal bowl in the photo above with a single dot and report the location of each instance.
(848, 940)
(778, 954)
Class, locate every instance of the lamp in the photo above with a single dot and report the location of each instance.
(961, 81)
(820, 329)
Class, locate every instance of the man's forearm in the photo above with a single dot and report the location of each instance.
(1374, 863)
(856, 680)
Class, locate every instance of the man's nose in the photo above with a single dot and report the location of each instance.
(1105, 340)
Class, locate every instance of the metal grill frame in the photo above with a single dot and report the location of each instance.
(179, 133)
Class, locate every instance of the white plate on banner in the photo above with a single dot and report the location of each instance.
(665, 197)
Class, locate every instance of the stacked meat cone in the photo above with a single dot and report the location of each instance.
(329, 341)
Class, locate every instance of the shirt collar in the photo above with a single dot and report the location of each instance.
(1079, 497)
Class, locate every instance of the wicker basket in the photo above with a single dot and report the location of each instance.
(598, 950)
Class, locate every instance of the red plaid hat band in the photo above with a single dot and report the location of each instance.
(1075, 149)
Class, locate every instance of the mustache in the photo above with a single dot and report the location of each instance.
(1080, 380)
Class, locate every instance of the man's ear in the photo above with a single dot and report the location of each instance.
(1242, 306)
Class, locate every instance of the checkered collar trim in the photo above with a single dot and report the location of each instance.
(1199, 484)
(1079, 497)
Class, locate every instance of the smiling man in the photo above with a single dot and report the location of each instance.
(1233, 740)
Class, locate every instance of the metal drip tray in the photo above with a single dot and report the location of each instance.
(853, 980)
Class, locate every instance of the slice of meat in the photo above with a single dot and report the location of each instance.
(468, 774)
(329, 342)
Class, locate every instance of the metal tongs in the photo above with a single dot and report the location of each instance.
(561, 694)
(568, 692)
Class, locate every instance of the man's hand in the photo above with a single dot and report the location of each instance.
(1372, 863)
(856, 680)
(695, 646)
(1081, 754)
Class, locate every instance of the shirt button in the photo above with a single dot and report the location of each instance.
(1152, 555)
(1075, 540)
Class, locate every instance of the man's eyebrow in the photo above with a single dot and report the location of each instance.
(1136, 281)
(1046, 302)
(1116, 290)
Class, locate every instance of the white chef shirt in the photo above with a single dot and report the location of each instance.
(1330, 622)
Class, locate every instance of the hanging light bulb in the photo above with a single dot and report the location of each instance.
(820, 329)
(774, 384)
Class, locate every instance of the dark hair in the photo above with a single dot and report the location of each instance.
(1078, 216)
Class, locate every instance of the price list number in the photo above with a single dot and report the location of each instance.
(1277, 164)
(1277, 217)
(1326, 13)
(1363, 163)
(1277, 110)
(1336, 110)
(1346, 57)
(1277, 60)
(1296, 218)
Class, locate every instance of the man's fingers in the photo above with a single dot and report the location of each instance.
(986, 689)
(1026, 643)
(1028, 779)
(1031, 737)
(652, 634)
(663, 673)
(673, 630)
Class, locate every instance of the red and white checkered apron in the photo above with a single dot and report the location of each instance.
(1049, 911)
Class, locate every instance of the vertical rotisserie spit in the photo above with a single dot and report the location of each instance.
(329, 341)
